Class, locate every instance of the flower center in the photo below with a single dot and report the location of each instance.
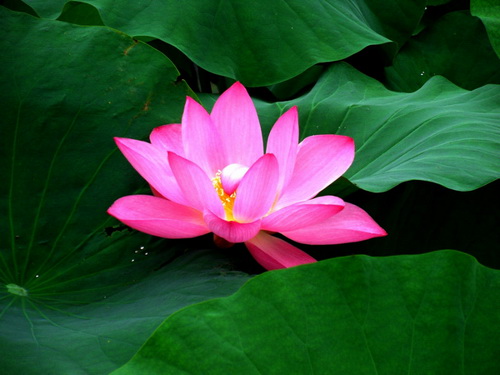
(225, 183)
(226, 199)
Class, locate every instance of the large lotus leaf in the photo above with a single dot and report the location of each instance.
(435, 313)
(440, 133)
(489, 12)
(41, 333)
(456, 47)
(259, 42)
(78, 295)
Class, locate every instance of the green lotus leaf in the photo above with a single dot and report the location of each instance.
(440, 133)
(259, 42)
(489, 12)
(435, 313)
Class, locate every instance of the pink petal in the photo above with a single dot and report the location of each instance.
(282, 142)
(235, 117)
(231, 177)
(257, 190)
(273, 253)
(301, 215)
(195, 185)
(152, 164)
(352, 224)
(168, 138)
(231, 231)
(321, 159)
(158, 216)
(156, 193)
(201, 139)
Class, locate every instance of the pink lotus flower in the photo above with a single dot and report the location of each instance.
(211, 174)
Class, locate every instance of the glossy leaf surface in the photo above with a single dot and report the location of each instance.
(259, 42)
(440, 133)
(428, 314)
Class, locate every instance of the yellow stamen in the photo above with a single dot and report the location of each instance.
(226, 199)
